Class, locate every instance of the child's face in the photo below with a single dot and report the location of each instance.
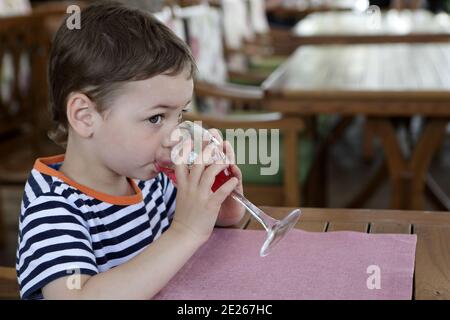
(135, 130)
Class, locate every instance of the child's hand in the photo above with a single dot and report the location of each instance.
(231, 211)
(197, 206)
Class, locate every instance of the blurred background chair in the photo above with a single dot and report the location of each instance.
(24, 48)
(252, 50)
(294, 156)
(9, 288)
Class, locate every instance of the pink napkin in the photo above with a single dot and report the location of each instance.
(304, 265)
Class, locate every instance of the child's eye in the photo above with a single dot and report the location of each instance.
(155, 119)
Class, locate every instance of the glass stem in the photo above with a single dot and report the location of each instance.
(267, 221)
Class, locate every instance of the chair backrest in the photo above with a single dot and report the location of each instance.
(24, 47)
(9, 287)
(16, 7)
(289, 127)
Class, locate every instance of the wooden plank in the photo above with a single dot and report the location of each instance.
(373, 74)
(9, 287)
(348, 226)
(432, 270)
(390, 227)
(383, 104)
(369, 39)
(426, 70)
(312, 226)
(442, 64)
(280, 212)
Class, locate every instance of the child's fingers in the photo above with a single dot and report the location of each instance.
(209, 175)
(229, 152)
(180, 152)
(180, 156)
(224, 191)
(216, 134)
(212, 154)
(181, 173)
(204, 159)
(236, 171)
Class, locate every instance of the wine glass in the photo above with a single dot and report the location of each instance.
(276, 229)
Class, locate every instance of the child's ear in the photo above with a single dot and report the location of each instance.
(81, 114)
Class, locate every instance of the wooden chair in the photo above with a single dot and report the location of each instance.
(24, 48)
(245, 82)
(257, 56)
(9, 287)
(289, 192)
(264, 51)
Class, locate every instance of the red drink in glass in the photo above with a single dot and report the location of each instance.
(221, 178)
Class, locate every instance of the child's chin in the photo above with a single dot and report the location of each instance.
(151, 176)
(146, 176)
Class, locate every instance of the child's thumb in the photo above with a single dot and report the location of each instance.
(224, 191)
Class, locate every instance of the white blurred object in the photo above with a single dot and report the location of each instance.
(392, 22)
(242, 19)
(175, 24)
(361, 5)
(373, 18)
(164, 15)
(205, 39)
(258, 16)
(442, 19)
(236, 24)
(14, 7)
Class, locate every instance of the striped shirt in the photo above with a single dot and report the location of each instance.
(68, 228)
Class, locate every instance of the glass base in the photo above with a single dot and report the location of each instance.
(278, 231)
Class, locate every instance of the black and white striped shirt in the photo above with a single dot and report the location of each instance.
(66, 227)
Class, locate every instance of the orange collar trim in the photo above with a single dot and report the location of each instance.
(42, 165)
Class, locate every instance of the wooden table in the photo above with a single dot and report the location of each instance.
(379, 81)
(299, 9)
(393, 26)
(432, 263)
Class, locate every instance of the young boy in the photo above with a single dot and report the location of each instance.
(102, 211)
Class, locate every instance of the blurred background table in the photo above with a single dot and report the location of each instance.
(432, 264)
(378, 81)
(364, 27)
(298, 9)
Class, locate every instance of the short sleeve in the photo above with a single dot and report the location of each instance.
(54, 242)
(169, 196)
